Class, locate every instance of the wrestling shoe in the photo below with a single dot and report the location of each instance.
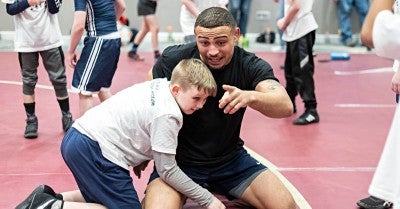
(133, 55)
(31, 129)
(372, 202)
(45, 201)
(67, 121)
(41, 189)
(308, 117)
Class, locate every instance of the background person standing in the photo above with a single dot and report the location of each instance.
(344, 8)
(38, 33)
(299, 28)
(240, 10)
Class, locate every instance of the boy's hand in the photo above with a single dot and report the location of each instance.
(396, 82)
(71, 59)
(216, 204)
(281, 24)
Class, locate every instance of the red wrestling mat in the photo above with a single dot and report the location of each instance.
(326, 165)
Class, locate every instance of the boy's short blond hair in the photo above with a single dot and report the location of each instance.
(193, 72)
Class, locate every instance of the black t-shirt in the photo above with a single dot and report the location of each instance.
(209, 136)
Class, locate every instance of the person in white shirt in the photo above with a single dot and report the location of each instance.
(190, 9)
(37, 32)
(381, 30)
(130, 128)
(299, 26)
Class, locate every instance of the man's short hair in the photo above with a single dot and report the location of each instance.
(215, 17)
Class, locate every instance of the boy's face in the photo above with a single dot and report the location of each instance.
(189, 100)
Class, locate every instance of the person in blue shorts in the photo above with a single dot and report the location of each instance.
(210, 149)
(98, 61)
(125, 131)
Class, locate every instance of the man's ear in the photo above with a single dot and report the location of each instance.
(236, 34)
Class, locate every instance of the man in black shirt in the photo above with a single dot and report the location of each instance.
(210, 150)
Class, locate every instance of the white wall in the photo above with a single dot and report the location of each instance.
(168, 14)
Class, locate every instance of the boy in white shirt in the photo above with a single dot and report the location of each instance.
(37, 32)
(132, 127)
(299, 26)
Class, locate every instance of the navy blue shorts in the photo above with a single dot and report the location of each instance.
(230, 178)
(97, 64)
(99, 180)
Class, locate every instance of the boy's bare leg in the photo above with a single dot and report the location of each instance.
(103, 95)
(28, 98)
(160, 195)
(267, 191)
(73, 196)
(144, 29)
(85, 103)
(79, 205)
(75, 200)
(154, 29)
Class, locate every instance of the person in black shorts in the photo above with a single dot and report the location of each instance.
(210, 150)
(147, 9)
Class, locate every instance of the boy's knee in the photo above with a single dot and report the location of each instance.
(28, 86)
(60, 85)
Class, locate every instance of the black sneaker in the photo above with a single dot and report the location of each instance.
(308, 117)
(133, 55)
(374, 203)
(41, 189)
(31, 129)
(67, 121)
(45, 201)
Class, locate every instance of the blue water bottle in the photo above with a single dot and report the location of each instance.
(340, 56)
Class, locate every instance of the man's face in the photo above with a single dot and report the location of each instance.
(216, 45)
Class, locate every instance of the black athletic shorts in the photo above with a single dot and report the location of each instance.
(146, 7)
(230, 178)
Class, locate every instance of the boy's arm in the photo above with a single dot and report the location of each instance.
(119, 8)
(17, 7)
(54, 6)
(78, 27)
(289, 15)
(171, 174)
(164, 138)
(366, 30)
